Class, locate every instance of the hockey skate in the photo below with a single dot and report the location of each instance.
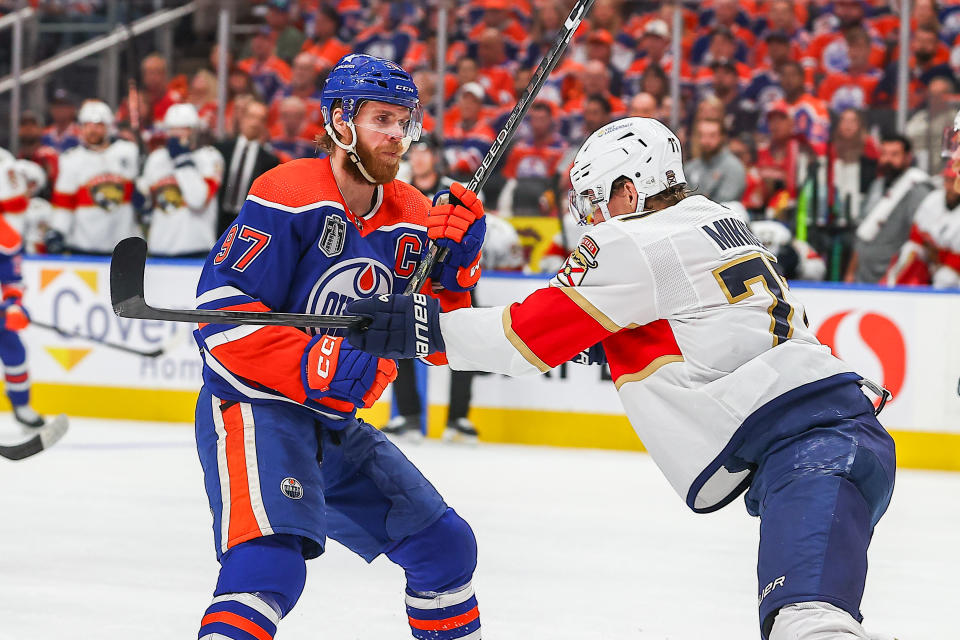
(460, 430)
(28, 417)
(406, 428)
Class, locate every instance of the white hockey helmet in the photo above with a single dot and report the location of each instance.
(181, 116)
(641, 149)
(95, 111)
(32, 173)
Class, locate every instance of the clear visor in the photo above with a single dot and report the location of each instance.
(390, 122)
(951, 142)
(584, 206)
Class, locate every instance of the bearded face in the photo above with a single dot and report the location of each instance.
(381, 158)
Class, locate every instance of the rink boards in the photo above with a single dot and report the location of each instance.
(909, 339)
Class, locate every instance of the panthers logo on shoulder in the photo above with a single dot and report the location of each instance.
(578, 263)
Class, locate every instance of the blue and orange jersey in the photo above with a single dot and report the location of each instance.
(326, 53)
(465, 147)
(848, 91)
(312, 102)
(811, 121)
(268, 76)
(383, 42)
(296, 247)
(61, 141)
(527, 159)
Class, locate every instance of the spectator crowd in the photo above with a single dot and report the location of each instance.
(787, 111)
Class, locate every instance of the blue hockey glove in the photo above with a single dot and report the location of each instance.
(176, 148)
(400, 326)
(591, 355)
(332, 368)
(460, 229)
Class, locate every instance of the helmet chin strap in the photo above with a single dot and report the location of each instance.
(351, 149)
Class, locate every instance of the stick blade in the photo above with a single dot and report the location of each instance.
(126, 275)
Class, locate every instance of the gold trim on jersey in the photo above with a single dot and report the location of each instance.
(519, 345)
(602, 319)
(647, 371)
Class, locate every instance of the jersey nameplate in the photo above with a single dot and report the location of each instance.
(333, 236)
(729, 233)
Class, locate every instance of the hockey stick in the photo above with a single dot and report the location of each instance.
(113, 345)
(45, 437)
(499, 147)
(126, 295)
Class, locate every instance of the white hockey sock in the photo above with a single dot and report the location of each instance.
(815, 621)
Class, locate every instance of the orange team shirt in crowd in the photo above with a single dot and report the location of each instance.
(811, 121)
(529, 160)
(638, 22)
(845, 91)
(309, 131)
(497, 83)
(419, 55)
(632, 75)
(312, 103)
(827, 53)
(327, 53)
(704, 75)
(514, 33)
(617, 107)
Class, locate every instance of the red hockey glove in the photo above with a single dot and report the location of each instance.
(15, 317)
(332, 368)
(459, 229)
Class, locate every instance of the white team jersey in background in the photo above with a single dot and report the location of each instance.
(13, 192)
(183, 199)
(698, 328)
(92, 195)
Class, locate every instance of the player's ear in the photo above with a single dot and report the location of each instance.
(340, 126)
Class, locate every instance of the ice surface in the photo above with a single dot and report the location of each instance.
(107, 536)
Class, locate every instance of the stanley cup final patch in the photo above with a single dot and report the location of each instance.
(333, 236)
(578, 263)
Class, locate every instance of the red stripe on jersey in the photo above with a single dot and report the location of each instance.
(453, 622)
(64, 200)
(553, 326)
(16, 204)
(269, 356)
(949, 259)
(18, 377)
(631, 351)
(243, 524)
(238, 621)
(212, 187)
(919, 236)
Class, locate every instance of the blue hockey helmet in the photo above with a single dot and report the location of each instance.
(357, 78)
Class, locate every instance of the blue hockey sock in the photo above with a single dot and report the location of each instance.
(439, 563)
(444, 616)
(239, 616)
(260, 582)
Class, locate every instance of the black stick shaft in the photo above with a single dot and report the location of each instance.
(500, 144)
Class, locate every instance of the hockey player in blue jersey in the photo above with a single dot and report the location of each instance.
(286, 462)
(13, 319)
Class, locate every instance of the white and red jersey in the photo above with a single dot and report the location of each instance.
(932, 254)
(92, 196)
(702, 336)
(14, 196)
(183, 197)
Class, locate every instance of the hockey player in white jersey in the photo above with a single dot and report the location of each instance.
(179, 184)
(94, 188)
(932, 253)
(710, 352)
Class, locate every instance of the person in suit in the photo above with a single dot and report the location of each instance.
(247, 156)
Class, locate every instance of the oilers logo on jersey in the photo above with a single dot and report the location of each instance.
(351, 280)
